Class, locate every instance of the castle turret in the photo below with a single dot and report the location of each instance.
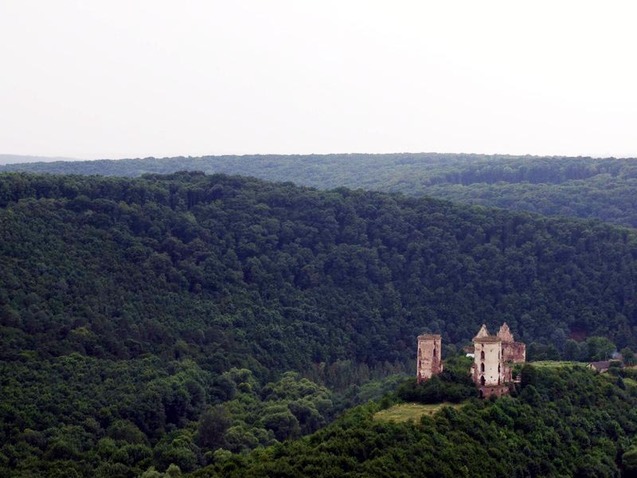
(429, 361)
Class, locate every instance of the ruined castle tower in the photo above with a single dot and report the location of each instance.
(493, 360)
(513, 352)
(429, 362)
(487, 359)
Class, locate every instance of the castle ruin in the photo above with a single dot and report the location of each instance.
(493, 361)
(429, 362)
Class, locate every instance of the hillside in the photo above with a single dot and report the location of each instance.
(132, 309)
(578, 187)
(563, 423)
(99, 248)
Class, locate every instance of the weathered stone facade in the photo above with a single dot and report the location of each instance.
(514, 352)
(493, 360)
(429, 362)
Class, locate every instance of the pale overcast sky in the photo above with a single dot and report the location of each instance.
(136, 78)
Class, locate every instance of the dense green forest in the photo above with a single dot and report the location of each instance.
(583, 187)
(566, 422)
(164, 319)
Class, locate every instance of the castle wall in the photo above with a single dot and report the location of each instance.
(429, 361)
(494, 391)
(505, 333)
(514, 352)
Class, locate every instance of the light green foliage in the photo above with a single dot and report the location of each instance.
(152, 473)
(600, 348)
(557, 363)
(287, 408)
(404, 412)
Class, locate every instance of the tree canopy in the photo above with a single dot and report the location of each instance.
(173, 320)
(582, 187)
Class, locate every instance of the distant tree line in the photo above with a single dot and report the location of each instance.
(582, 187)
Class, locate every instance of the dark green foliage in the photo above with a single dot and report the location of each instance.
(629, 462)
(628, 356)
(127, 415)
(577, 424)
(436, 390)
(218, 269)
(453, 385)
(130, 309)
(213, 425)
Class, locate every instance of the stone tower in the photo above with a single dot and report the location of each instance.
(429, 362)
(488, 366)
(493, 360)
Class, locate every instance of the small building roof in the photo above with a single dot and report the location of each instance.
(600, 366)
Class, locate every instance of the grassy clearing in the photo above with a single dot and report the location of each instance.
(630, 381)
(557, 364)
(411, 411)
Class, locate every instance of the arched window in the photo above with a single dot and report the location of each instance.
(435, 352)
(482, 355)
(482, 380)
(482, 367)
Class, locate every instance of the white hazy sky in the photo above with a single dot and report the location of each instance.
(134, 78)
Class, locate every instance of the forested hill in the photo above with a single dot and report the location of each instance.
(129, 306)
(316, 276)
(583, 187)
(566, 422)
